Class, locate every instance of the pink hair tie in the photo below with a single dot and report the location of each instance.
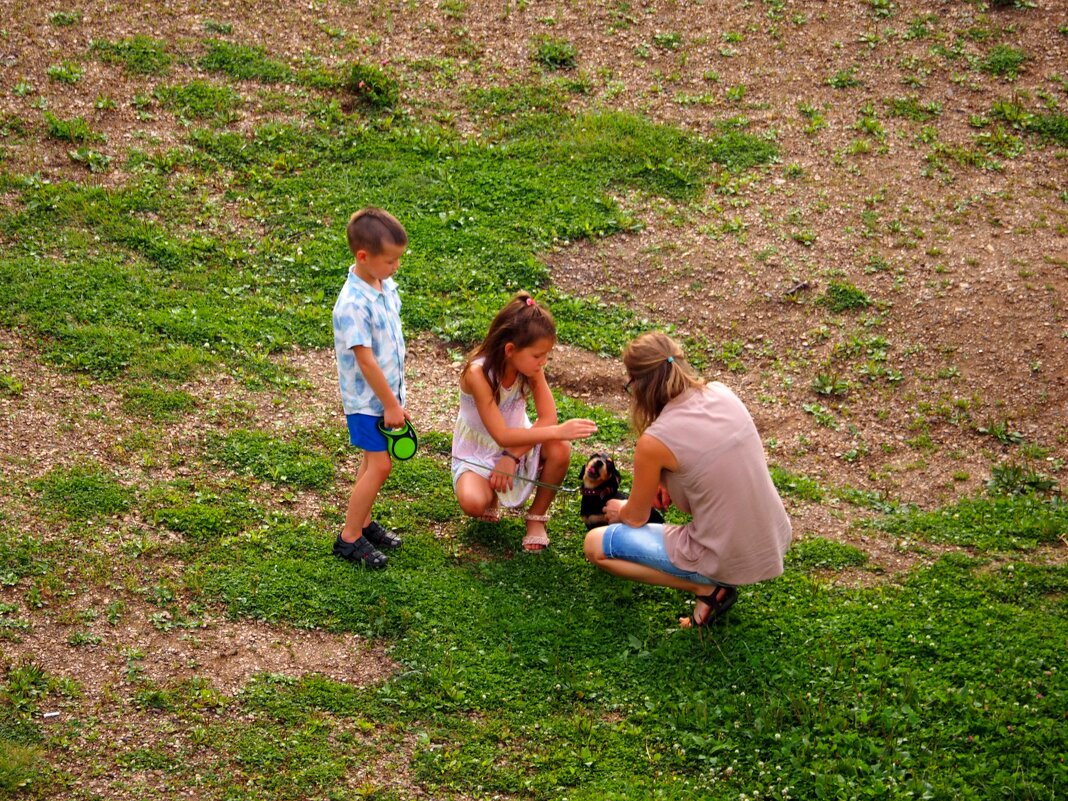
(531, 302)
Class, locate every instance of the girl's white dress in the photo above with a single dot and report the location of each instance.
(474, 449)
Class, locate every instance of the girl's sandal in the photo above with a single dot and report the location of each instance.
(537, 540)
(492, 516)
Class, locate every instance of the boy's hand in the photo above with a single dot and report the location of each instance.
(578, 428)
(394, 417)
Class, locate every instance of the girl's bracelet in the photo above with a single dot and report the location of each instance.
(511, 456)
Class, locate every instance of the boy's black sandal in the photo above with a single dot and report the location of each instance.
(361, 552)
(381, 537)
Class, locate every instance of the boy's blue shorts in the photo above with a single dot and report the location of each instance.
(364, 433)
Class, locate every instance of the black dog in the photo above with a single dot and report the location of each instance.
(600, 483)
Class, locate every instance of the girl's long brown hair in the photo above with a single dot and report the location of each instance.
(659, 373)
(522, 322)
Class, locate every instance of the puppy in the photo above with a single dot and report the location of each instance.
(600, 483)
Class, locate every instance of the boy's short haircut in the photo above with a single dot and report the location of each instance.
(371, 228)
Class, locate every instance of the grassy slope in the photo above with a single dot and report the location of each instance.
(521, 677)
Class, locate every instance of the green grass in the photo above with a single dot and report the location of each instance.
(155, 299)
(199, 100)
(244, 62)
(276, 460)
(998, 523)
(818, 553)
(599, 690)
(82, 492)
(518, 676)
(138, 55)
(159, 404)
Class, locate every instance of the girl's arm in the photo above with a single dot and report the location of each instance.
(544, 402)
(475, 384)
(651, 456)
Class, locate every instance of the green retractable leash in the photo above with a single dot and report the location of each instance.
(402, 443)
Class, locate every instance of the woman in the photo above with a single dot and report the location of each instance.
(697, 446)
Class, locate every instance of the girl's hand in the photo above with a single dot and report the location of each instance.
(663, 499)
(500, 479)
(611, 509)
(578, 428)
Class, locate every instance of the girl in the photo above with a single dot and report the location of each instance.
(697, 445)
(497, 452)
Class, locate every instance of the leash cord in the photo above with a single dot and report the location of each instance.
(534, 481)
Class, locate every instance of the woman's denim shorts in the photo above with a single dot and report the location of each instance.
(645, 546)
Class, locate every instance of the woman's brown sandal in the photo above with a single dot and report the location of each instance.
(537, 541)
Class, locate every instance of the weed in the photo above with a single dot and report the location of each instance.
(843, 296)
(823, 415)
(795, 485)
(668, 40)
(844, 79)
(554, 53)
(1004, 61)
(373, 87)
(139, 55)
(63, 19)
(881, 9)
(66, 72)
(1014, 478)
(911, 108)
(203, 516)
(830, 384)
(223, 28)
(74, 130)
(10, 386)
(93, 160)
(1002, 432)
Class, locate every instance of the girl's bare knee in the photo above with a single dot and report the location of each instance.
(557, 452)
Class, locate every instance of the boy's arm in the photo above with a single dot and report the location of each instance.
(394, 413)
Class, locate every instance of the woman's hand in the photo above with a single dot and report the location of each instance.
(577, 428)
(611, 509)
(663, 499)
(501, 477)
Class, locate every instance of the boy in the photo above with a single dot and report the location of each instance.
(370, 367)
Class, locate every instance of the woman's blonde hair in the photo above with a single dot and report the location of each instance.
(658, 373)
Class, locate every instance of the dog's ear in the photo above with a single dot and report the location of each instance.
(611, 469)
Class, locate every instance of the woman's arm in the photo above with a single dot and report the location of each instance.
(651, 456)
(475, 384)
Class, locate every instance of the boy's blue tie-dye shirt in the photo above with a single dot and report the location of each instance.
(363, 316)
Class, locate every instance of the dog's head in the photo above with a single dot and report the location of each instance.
(600, 474)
